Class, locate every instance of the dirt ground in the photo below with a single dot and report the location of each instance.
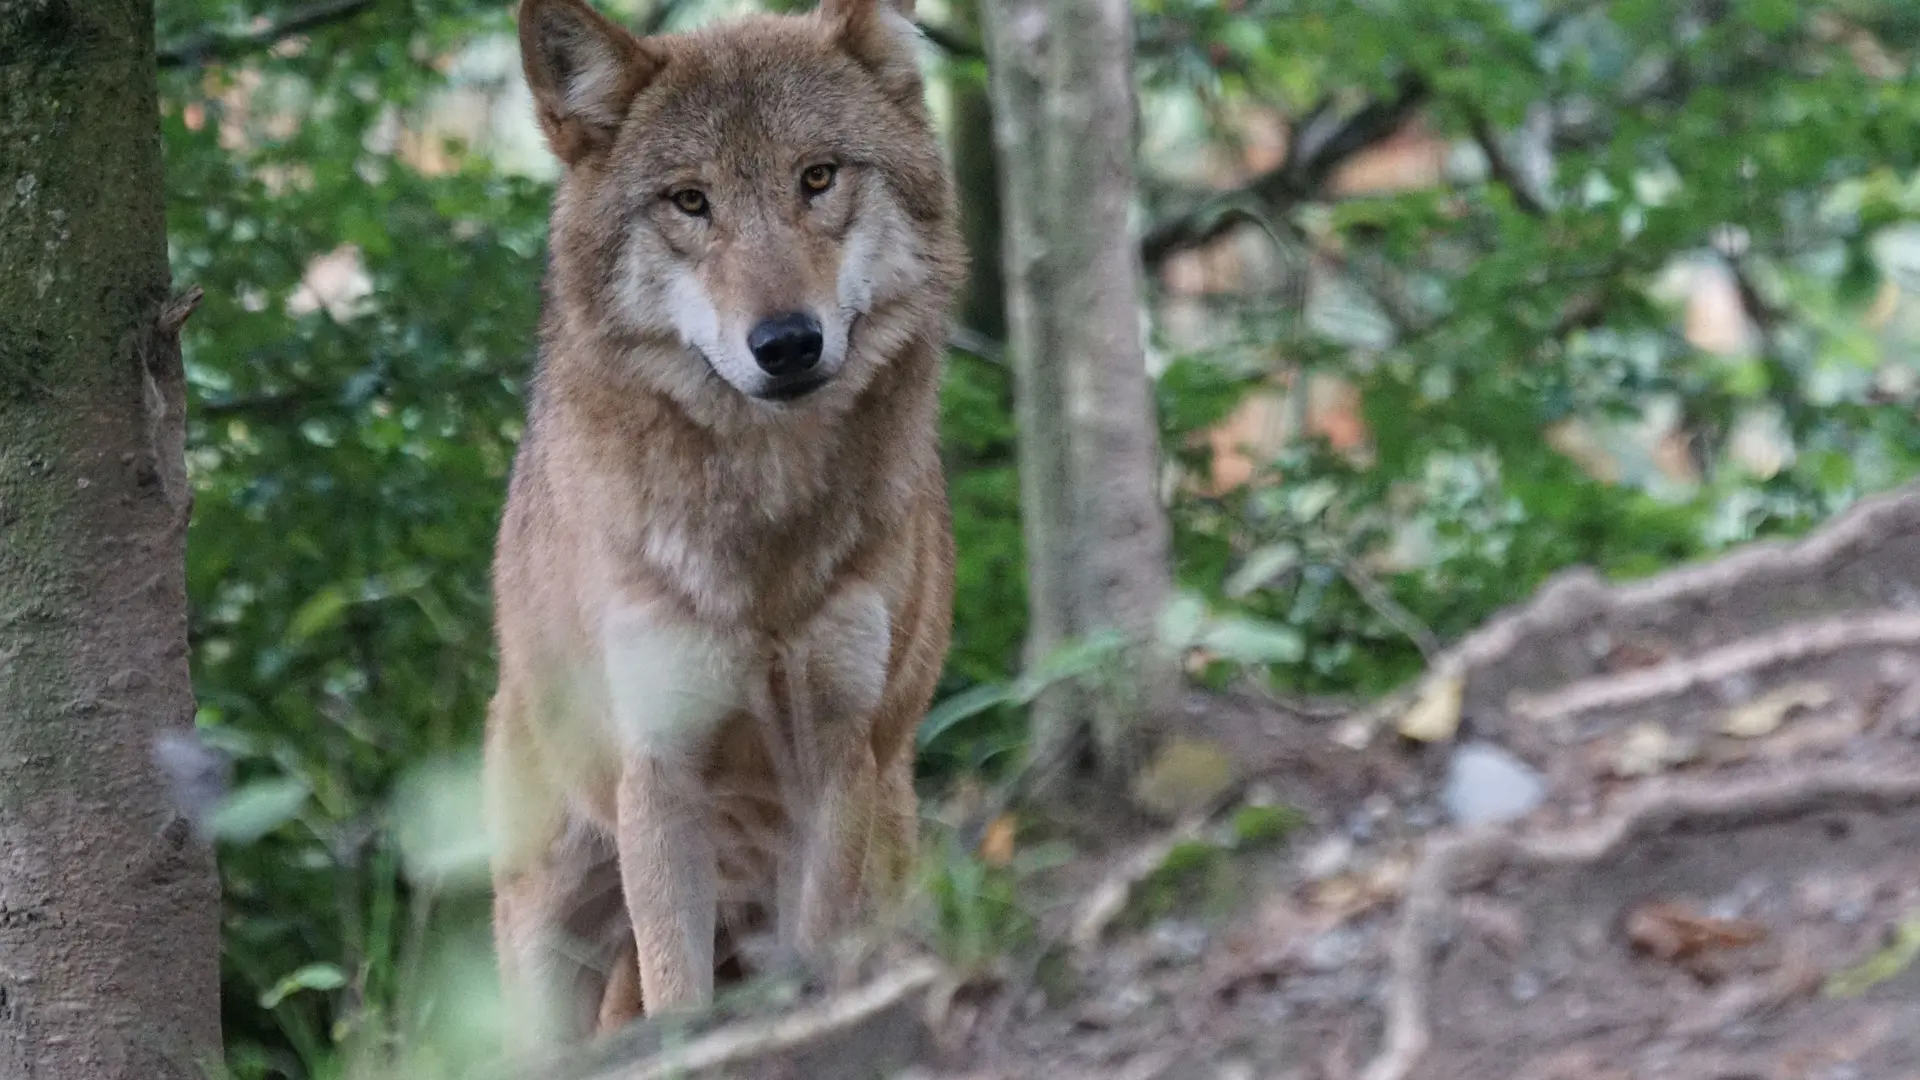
(1663, 830)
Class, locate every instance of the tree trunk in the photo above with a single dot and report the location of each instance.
(109, 908)
(1096, 532)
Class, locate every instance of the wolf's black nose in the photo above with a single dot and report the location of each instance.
(786, 345)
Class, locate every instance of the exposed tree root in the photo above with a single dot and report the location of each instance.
(1867, 559)
(1789, 645)
(1450, 861)
(854, 1036)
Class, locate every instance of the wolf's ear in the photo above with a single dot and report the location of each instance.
(583, 70)
(880, 35)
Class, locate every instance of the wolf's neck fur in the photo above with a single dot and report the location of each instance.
(752, 519)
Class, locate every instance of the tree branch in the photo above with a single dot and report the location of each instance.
(980, 346)
(209, 46)
(1312, 162)
(1381, 600)
(1312, 159)
(1502, 170)
(952, 42)
(1766, 317)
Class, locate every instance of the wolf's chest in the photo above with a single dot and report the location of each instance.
(749, 574)
(671, 684)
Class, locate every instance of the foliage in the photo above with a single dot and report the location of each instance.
(349, 456)
(1527, 290)
(973, 913)
(1200, 874)
(348, 467)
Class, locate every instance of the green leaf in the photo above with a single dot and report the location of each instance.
(231, 741)
(1071, 660)
(438, 824)
(1259, 826)
(1888, 963)
(321, 612)
(964, 705)
(1309, 501)
(1252, 641)
(254, 810)
(1182, 620)
(1262, 567)
(1747, 377)
(321, 977)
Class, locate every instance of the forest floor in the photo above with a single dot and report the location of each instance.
(1668, 829)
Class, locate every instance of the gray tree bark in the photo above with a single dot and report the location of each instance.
(1097, 537)
(109, 908)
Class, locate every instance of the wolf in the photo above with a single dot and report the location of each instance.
(723, 576)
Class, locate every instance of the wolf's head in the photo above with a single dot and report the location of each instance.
(765, 198)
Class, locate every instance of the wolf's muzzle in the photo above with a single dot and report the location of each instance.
(786, 346)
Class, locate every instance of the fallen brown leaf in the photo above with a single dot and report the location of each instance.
(996, 846)
(1355, 892)
(1632, 656)
(1673, 932)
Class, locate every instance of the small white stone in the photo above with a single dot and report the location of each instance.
(1327, 858)
(1486, 785)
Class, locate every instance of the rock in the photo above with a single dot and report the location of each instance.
(1486, 785)
(1114, 1007)
(1333, 950)
(1328, 857)
(1184, 777)
(1178, 942)
(1367, 818)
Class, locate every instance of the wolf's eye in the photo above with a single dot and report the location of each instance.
(690, 201)
(817, 179)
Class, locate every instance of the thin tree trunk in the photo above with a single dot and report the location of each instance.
(1096, 532)
(109, 908)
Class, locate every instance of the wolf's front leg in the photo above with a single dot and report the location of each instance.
(837, 675)
(829, 891)
(670, 874)
(670, 686)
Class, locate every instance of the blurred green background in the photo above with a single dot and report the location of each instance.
(1446, 295)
